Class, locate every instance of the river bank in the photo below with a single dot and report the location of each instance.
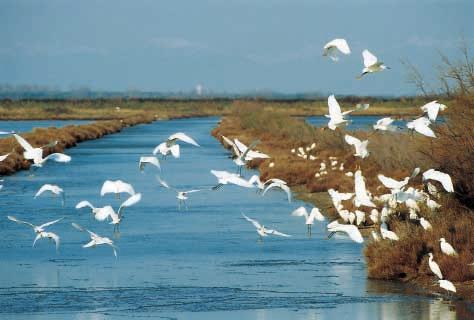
(394, 156)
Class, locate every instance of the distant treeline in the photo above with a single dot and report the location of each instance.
(27, 92)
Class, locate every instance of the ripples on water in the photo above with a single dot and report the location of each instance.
(204, 263)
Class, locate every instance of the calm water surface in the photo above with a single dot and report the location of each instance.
(25, 126)
(204, 263)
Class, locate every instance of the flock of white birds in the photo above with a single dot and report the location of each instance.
(378, 208)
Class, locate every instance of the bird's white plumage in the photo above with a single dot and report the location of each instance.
(331, 48)
(351, 230)
(432, 108)
(441, 177)
(335, 114)
(281, 186)
(369, 58)
(434, 267)
(148, 160)
(447, 248)
(117, 187)
(447, 285)
(360, 146)
(362, 197)
(421, 125)
(385, 124)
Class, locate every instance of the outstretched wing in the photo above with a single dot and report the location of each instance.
(23, 142)
(151, 160)
(183, 137)
(334, 108)
(130, 202)
(300, 212)
(44, 225)
(45, 187)
(58, 157)
(83, 204)
(369, 58)
(14, 219)
(352, 140)
(277, 233)
(254, 222)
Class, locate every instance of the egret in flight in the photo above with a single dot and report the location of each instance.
(315, 214)
(225, 177)
(351, 230)
(335, 115)
(100, 214)
(441, 177)
(150, 161)
(262, 231)
(171, 144)
(331, 48)
(280, 185)
(360, 146)
(117, 187)
(371, 64)
(182, 196)
(432, 108)
(421, 125)
(117, 217)
(385, 124)
(96, 240)
(362, 197)
(54, 189)
(36, 154)
(245, 154)
(40, 231)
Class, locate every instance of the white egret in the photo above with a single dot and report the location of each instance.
(421, 125)
(117, 217)
(262, 231)
(351, 230)
(54, 189)
(425, 224)
(447, 285)
(171, 144)
(360, 146)
(371, 64)
(441, 177)
(387, 234)
(385, 124)
(360, 217)
(434, 267)
(433, 205)
(182, 196)
(282, 186)
(100, 214)
(225, 177)
(148, 160)
(96, 240)
(117, 187)
(374, 215)
(40, 231)
(315, 214)
(36, 154)
(447, 248)
(393, 184)
(244, 154)
(432, 108)
(335, 114)
(362, 197)
(331, 48)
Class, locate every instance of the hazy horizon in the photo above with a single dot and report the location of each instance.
(235, 46)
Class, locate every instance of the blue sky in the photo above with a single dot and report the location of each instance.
(226, 45)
